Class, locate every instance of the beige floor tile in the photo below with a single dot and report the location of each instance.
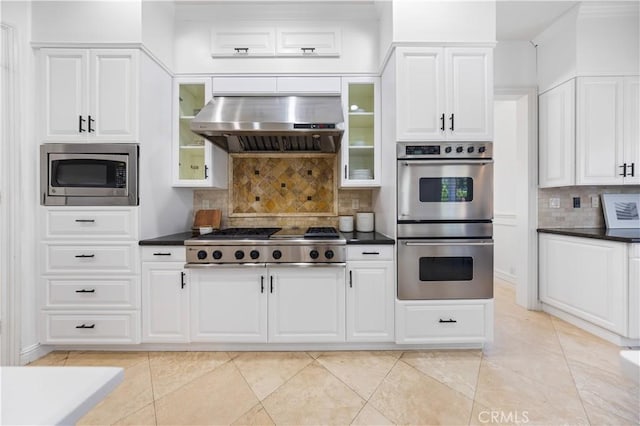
(314, 355)
(55, 358)
(407, 396)
(313, 397)
(130, 396)
(103, 358)
(361, 371)
(256, 416)
(514, 395)
(608, 391)
(457, 369)
(369, 416)
(598, 416)
(144, 417)
(266, 371)
(218, 397)
(171, 370)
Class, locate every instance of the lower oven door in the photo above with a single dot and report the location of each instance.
(445, 269)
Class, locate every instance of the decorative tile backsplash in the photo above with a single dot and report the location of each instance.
(280, 184)
(566, 216)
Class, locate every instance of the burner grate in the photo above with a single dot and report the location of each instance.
(240, 233)
(321, 232)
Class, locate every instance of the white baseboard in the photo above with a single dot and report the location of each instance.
(504, 276)
(33, 352)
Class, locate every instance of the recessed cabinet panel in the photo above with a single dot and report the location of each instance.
(237, 41)
(243, 85)
(308, 41)
(631, 130)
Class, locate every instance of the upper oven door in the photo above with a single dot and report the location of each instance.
(445, 190)
(89, 175)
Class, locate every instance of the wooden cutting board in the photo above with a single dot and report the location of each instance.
(209, 217)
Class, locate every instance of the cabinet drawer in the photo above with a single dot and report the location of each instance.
(86, 223)
(78, 258)
(82, 293)
(442, 322)
(329, 85)
(243, 85)
(164, 254)
(90, 327)
(369, 252)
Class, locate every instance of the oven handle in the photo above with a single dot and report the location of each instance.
(449, 243)
(481, 161)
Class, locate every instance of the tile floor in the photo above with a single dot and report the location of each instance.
(539, 370)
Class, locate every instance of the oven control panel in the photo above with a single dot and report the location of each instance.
(444, 150)
(311, 253)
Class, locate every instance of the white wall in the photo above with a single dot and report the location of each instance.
(158, 29)
(358, 23)
(505, 148)
(384, 10)
(447, 21)
(514, 64)
(87, 21)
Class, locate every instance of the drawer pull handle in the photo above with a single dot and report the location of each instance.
(86, 326)
(450, 320)
(350, 279)
(241, 50)
(376, 253)
(308, 49)
(85, 220)
(84, 290)
(162, 254)
(182, 283)
(85, 255)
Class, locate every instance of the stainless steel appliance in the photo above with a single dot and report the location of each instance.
(316, 246)
(445, 213)
(272, 123)
(89, 174)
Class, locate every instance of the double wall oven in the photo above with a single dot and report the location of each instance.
(445, 213)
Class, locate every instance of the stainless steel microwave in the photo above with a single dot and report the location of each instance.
(89, 174)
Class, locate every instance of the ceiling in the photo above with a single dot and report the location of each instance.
(523, 20)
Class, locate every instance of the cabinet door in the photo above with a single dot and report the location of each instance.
(306, 304)
(228, 305)
(557, 136)
(370, 300)
(599, 142)
(361, 163)
(165, 303)
(587, 278)
(420, 94)
(237, 41)
(469, 87)
(65, 85)
(113, 109)
(631, 131)
(308, 41)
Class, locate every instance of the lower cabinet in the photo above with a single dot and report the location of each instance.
(285, 304)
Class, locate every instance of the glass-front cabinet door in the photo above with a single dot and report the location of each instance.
(196, 162)
(361, 140)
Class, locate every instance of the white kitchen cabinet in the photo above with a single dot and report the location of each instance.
(89, 95)
(196, 162)
(90, 275)
(308, 40)
(557, 136)
(634, 291)
(607, 131)
(587, 278)
(306, 304)
(228, 304)
(165, 297)
(370, 293)
(242, 39)
(444, 93)
(270, 85)
(361, 164)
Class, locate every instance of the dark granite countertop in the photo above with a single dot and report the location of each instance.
(168, 240)
(367, 238)
(625, 235)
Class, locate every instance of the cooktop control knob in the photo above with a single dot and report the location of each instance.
(277, 254)
(470, 149)
(459, 149)
(239, 254)
(328, 254)
(447, 149)
(314, 254)
(482, 149)
(254, 254)
(217, 254)
(202, 254)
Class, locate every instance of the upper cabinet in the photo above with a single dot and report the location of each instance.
(360, 152)
(246, 39)
(90, 94)
(608, 131)
(557, 136)
(197, 162)
(444, 93)
(271, 85)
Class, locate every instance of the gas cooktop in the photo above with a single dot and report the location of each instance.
(239, 234)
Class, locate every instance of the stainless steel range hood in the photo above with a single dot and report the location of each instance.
(272, 123)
